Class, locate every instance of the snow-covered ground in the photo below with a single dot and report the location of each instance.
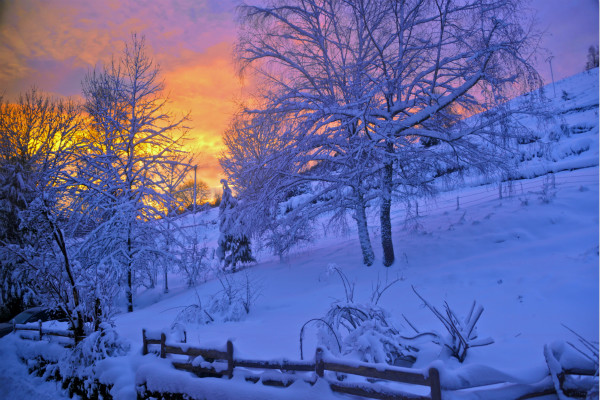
(527, 252)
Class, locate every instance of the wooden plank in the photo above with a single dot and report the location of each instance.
(278, 379)
(195, 352)
(434, 383)
(580, 371)
(319, 363)
(230, 364)
(373, 393)
(153, 341)
(46, 332)
(276, 382)
(163, 345)
(61, 334)
(26, 328)
(144, 343)
(371, 372)
(198, 370)
(539, 393)
(28, 337)
(284, 366)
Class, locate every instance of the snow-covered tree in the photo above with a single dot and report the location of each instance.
(234, 246)
(36, 151)
(364, 88)
(593, 60)
(121, 178)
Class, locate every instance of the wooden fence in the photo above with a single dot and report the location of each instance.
(219, 363)
(41, 332)
(222, 363)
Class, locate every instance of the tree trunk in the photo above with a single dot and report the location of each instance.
(363, 231)
(97, 314)
(129, 274)
(384, 216)
(59, 239)
(166, 290)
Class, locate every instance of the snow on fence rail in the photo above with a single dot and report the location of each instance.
(37, 328)
(219, 363)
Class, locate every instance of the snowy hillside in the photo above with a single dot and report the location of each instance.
(570, 140)
(527, 251)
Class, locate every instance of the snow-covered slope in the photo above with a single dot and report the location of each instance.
(528, 252)
(570, 140)
(529, 255)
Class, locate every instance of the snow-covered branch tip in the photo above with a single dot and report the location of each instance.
(462, 333)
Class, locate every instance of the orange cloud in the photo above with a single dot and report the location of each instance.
(53, 44)
(205, 85)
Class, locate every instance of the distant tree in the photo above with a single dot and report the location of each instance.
(592, 58)
(234, 246)
(217, 201)
(175, 174)
(185, 193)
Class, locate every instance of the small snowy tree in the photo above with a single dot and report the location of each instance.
(234, 246)
(282, 189)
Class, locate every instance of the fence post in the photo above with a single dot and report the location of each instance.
(144, 343)
(230, 364)
(40, 327)
(319, 364)
(184, 336)
(163, 350)
(434, 383)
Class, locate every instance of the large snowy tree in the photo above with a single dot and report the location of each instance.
(369, 85)
(123, 176)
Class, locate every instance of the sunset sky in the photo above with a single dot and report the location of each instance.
(52, 44)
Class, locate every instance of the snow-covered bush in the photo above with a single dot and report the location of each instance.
(548, 190)
(98, 346)
(78, 368)
(365, 332)
(233, 302)
(582, 360)
(194, 259)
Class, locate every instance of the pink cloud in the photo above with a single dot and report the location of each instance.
(83, 34)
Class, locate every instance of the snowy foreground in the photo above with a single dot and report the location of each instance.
(528, 253)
